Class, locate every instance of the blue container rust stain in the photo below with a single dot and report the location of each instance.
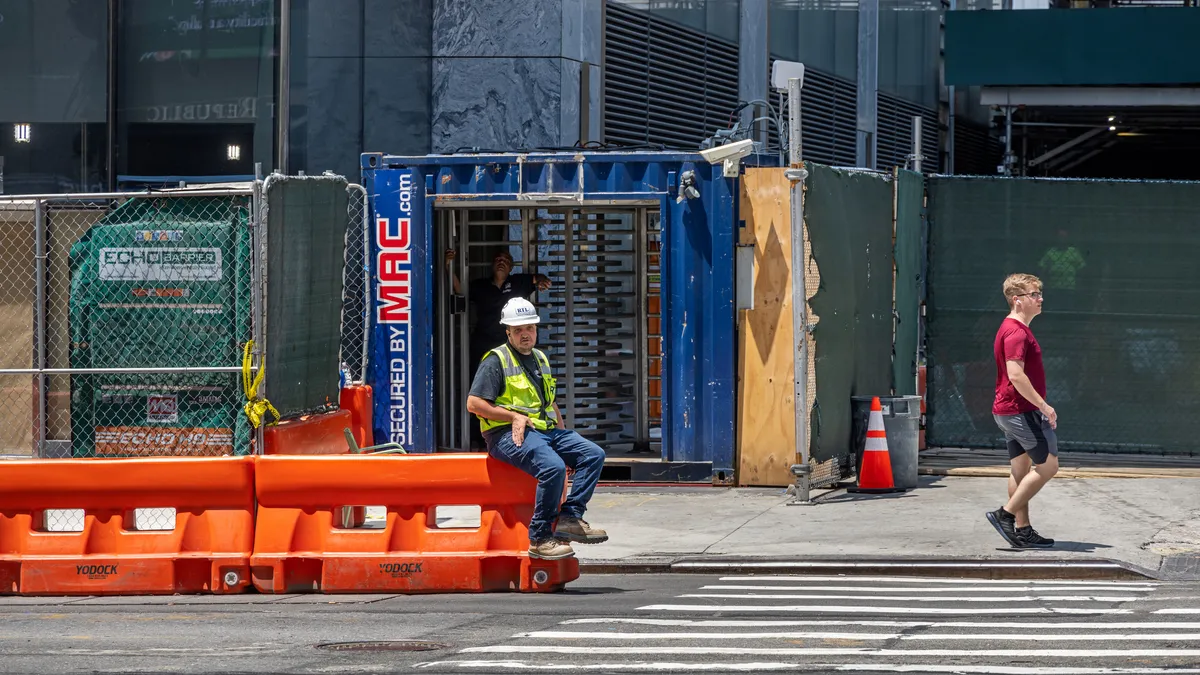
(698, 240)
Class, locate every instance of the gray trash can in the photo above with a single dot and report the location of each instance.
(901, 423)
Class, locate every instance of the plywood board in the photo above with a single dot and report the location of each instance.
(766, 392)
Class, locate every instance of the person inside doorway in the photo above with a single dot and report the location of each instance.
(488, 296)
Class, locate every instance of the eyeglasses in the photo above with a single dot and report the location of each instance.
(1035, 296)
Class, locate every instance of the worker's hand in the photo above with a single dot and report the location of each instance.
(542, 282)
(451, 254)
(518, 429)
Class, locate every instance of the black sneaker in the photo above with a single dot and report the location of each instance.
(1006, 524)
(1030, 537)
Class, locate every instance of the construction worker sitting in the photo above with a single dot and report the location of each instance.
(513, 396)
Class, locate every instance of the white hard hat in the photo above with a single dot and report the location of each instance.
(519, 312)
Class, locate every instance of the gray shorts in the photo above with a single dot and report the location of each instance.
(1030, 434)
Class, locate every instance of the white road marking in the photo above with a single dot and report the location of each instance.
(835, 651)
(754, 623)
(1178, 610)
(916, 598)
(910, 589)
(938, 580)
(832, 609)
(584, 635)
(666, 666)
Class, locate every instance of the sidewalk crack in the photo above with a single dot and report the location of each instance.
(739, 527)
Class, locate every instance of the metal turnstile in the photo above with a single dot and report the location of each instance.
(600, 319)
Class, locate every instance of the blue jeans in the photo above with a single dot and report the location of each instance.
(545, 455)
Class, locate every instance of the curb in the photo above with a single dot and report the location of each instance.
(972, 568)
(1003, 472)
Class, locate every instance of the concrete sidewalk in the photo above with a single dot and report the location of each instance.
(1150, 524)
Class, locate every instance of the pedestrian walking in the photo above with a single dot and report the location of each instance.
(1022, 413)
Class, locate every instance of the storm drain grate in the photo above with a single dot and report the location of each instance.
(383, 646)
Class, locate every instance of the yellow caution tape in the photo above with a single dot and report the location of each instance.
(256, 408)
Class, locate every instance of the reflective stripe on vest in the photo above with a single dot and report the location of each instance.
(520, 394)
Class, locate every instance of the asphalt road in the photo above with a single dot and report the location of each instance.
(631, 623)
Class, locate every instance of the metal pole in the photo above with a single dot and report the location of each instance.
(952, 95)
(569, 307)
(285, 83)
(366, 279)
(39, 254)
(179, 370)
(796, 173)
(1008, 130)
(464, 339)
(260, 266)
(916, 142)
(110, 129)
(449, 355)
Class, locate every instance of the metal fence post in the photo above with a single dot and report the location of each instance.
(258, 250)
(796, 173)
(39, 312)
(917, 141)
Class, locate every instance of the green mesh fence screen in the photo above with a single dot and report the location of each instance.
(307, 221)
(848, 215)
(910, 281)
(1120, 329)
(160, 283)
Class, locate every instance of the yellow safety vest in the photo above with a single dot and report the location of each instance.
(520, 394)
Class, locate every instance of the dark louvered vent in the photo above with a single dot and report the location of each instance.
(664, 83)
(976, 151)
(893, 143)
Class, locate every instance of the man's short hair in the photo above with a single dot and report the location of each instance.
(1020, 284)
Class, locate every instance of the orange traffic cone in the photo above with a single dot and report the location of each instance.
(876, 473)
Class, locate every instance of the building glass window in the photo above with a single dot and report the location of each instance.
(53, 95)
(821, 34)
(195, 79)
(909, 33)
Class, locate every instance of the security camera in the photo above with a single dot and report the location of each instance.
(729, 154)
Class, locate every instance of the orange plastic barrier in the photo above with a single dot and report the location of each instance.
(207, 551)
(359, 400)
(322, 434)
(298, 548)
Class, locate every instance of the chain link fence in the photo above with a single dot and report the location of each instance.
(123, 323)
(356, 287)
(1119, 332)
(129, 322)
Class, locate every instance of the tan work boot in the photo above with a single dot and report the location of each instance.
(577, 530)
(550, 549)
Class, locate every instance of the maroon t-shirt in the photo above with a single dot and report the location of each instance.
(1015, 342)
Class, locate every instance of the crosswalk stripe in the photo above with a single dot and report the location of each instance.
(661, 666)
(757, 623)
(934, 580)
(832, 651)
(899, 566)
(948, 637)
(916, 598)
(830, 609)
(910, 589)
